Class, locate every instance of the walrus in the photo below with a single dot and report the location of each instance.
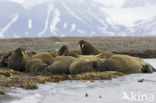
(31, 53)
(62, 50)
(39, 62)
(65, 51)
(88, 49)
(17, 59)
(84, 64)
(61, 65)
(73, 53)
(4, 58)
(125, 64)
(6, 55)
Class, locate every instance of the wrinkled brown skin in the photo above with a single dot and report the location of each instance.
(125, 64)
(64, 51)
(73, 53)
(84, 64)
(39, 62)
(30, 54)
(105, 55)
(61, 65)
(88, 49)
(17, 59)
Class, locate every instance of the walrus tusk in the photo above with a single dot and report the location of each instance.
(1, 58)
(82, 45)
(79, 46)
(24, 53)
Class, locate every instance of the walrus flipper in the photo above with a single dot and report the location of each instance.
(154, 70)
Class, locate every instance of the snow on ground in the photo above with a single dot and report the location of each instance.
(124, 89)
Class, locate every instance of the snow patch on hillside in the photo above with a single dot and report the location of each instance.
(50, 8)
(73, 26)
(56, 19)
(14, 18)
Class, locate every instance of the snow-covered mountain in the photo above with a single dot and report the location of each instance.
(76, 18)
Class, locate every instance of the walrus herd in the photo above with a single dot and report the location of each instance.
(67, 61)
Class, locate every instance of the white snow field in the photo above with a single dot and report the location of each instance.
(124, 89)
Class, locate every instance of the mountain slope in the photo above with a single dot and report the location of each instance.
(65, 18)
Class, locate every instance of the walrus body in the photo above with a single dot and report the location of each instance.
(84, 64)
(124, 63)
(17, 59)
(39, 62)
(4, 58)
(61, 65)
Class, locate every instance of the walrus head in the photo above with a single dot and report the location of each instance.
(21, 52)
(82, 43)
(147, 69)
(3, 61)
(62, 50)
(87, 48)
(18, 59)
(102, 66)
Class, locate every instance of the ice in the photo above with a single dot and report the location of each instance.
(108, 91)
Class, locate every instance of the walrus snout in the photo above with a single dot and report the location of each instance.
(81, 44)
